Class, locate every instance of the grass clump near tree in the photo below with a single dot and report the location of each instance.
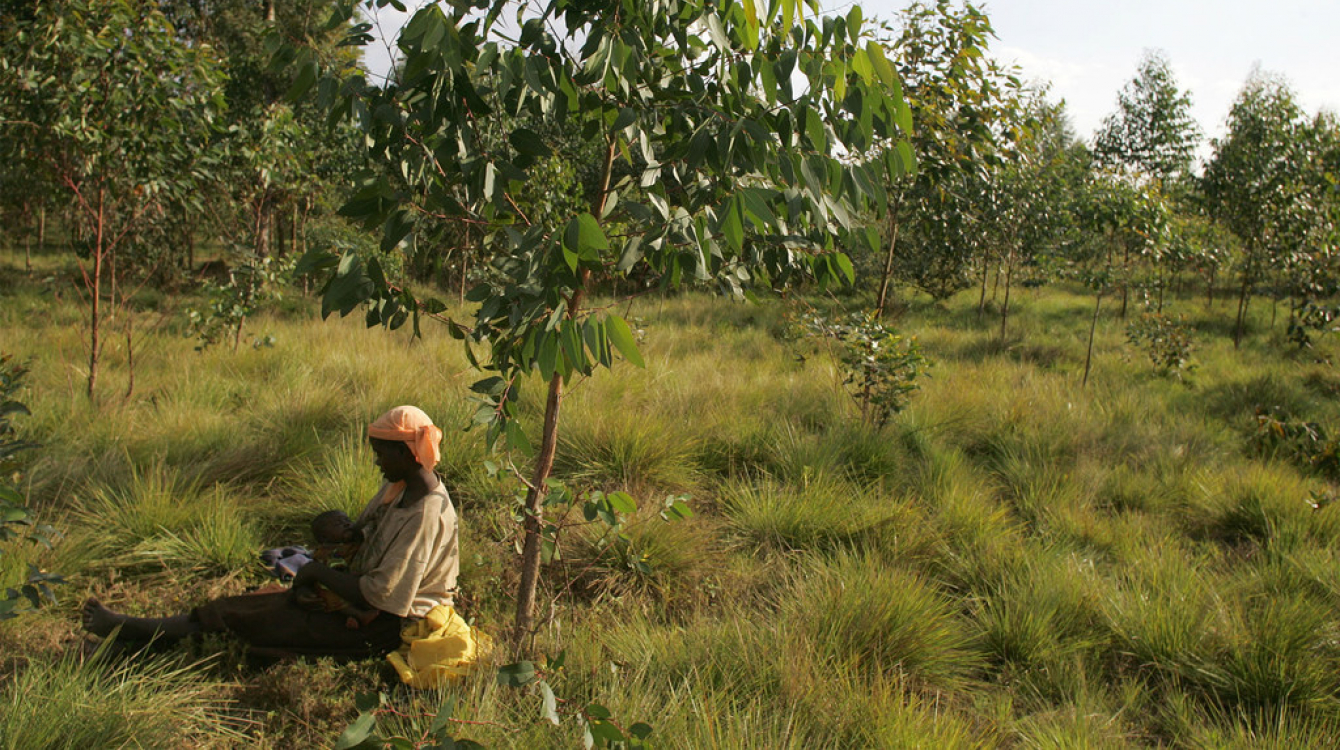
(1015, 559)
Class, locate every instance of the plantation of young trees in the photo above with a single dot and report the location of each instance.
(535, 182)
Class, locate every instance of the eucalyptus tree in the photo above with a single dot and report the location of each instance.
(1311, 267)
(1152, 130)
(106, 102)
(1029, 211)
(274, 154)
(725, 130)
(1254, 183)
(964, 106)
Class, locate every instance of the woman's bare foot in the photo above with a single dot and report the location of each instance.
(99, 620)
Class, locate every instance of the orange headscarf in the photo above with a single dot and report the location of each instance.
(409, 425)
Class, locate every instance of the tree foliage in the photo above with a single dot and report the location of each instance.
(733, 125)
(966, 115)
(1152, 130)
(107, 103)
(1263, 184)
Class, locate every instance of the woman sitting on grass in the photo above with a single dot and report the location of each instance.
(406, 565)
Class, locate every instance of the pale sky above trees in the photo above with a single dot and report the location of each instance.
(1089, 48)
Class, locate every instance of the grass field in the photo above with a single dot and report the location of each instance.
(1017, 560)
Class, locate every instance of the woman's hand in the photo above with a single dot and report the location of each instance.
(342, 583)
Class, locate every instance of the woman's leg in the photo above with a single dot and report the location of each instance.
(101, 621)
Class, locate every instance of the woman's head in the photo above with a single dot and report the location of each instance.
(409, 425)
(404, 440)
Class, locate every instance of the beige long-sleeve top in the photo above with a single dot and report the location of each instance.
(410, 557)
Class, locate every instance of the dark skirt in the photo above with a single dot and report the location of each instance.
(273, 625)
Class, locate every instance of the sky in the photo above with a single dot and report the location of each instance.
(1089, 49)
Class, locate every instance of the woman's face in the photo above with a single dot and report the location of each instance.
(394, 460)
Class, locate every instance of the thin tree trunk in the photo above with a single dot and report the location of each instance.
(237, 332)
(130, 359)
(280, 236)
(95, 319)
(531, 550)
(261, 231)
(1093, 326)
(460, 287)
(1005, 307)
(885, 279)
(41, 226)
(1243, 302)
(530, 554)
(981, 302)
(1125, 280)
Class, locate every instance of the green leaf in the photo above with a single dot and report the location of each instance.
(519, 674)
(368, 702)
(349, 288)
(880, 63)
(12, 514)
(632, 253)
(621, 338)
(860, 62)
(622, 502)
(733, 225)
(814, 130)
(603, 730)
(597, 711)
(516, 438)
(906, 160)
(757, 209)
(570, 339)
(642, 730)
(303, 82)
(546, 356)
(718, 34)
(356, 732)
(584, 236)
(854, 19)
(844, 265)
(529, 143)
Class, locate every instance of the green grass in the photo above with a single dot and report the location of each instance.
(1017, 560)
(68, 703)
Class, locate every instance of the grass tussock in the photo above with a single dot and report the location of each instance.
(69, 703)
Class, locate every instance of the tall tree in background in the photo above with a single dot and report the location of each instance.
(962, 104)
(1152, 131)
(725, 130)
(1253, 183)
(274, 152)
(107, 103)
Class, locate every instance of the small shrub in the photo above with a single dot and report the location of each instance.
(1165, 340)
(16, 521)
(879, 367)
(1307, 443)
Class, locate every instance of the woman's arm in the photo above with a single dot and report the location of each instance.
(342, 583)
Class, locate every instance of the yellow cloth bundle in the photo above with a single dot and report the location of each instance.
(438, 649)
